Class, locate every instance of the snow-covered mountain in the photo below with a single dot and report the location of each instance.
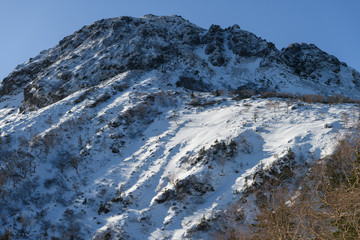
(129, 128)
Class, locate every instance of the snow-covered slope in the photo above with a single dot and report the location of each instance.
(116, 132)
(176, 49)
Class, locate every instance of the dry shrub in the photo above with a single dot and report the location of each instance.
(50, 139)
(198, 102)
(121, 86)
(272, 105)
(35, 141)
(162, 98)
(100, 99)
(3, 179)
(84, 95)
(275, 220)
(309, 98)
(7, 235)
(243, 93)
(144, 112)
(220, 92)
(324, 205)
(16, 166)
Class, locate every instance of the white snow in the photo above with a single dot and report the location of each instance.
(127, 152)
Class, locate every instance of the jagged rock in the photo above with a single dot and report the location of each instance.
(215, 46)
(168, 194)
(192, 185)
(306, 59)
(246, 44)
(192, 84)
(109, 47)
(141, 44)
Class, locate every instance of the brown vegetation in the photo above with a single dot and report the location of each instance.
(324, 205)
(308, 98)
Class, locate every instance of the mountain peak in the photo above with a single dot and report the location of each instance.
(109, 47)
(148, 128)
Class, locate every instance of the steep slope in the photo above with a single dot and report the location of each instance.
(218, 58)
(116, 133)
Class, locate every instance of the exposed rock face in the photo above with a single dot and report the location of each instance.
(100, 51)
(109, 47)
(214, 40)
(308, 61)
(307, 58)
(126, 129)
(22, 75)
(246, 44)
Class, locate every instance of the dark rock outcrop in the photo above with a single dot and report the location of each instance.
(108, 47)
(305, 59)
(98, 52)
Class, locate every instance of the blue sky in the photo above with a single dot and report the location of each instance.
(27, 27)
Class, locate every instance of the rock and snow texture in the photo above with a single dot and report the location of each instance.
(115, 134)
(216, 58)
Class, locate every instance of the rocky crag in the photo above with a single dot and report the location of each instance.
(132, 128)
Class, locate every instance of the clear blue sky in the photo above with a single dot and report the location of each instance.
(29, 26)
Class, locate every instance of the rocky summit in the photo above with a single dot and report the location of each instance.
(149, 128)
(173, 46)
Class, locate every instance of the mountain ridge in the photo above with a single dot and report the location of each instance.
(113, 46)
(135, 128)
